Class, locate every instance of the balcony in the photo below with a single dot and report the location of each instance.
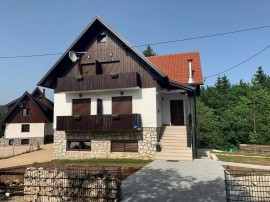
(98, 82)
(121, 122)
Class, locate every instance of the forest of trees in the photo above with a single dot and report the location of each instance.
(229, 115)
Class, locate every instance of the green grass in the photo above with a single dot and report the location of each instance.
(244, 159)
(97, 160)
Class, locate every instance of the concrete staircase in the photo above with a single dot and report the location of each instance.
(174, 144)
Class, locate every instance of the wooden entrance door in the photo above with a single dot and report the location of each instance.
(177, 112)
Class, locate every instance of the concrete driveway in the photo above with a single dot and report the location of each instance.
(198, 180)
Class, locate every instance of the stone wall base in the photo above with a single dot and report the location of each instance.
(101, 144)
(17, 141)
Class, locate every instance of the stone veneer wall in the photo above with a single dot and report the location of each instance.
(17, 141)
(101, 144)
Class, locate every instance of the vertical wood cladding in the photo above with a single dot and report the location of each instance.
(34, 117)
(113, 58)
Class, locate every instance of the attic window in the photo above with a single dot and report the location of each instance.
(26, 112)
(102, 38)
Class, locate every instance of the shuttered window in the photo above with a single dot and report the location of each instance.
(122, 105)
(124, 146)
(81, 107)
(108, 68)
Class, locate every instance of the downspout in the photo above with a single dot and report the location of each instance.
(193, 127)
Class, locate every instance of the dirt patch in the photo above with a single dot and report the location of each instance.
(227, 167)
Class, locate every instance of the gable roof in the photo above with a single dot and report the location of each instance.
(45, 111)
(38, 92)
(176, 66)
(50, 78)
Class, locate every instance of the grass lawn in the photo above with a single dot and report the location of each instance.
(249, 159)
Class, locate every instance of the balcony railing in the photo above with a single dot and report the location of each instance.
(113, 122)
(98, 82)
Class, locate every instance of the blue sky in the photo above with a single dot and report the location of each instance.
(29, 27)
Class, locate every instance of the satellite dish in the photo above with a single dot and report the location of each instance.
(72, 55)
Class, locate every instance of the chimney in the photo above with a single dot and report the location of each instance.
(44, 92)
(190, 72)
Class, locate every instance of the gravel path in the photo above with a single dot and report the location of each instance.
(45, 154)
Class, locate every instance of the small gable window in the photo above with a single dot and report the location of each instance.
(25, 128)
(26, 112)
(102, 38)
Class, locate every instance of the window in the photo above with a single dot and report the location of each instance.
(11, 142)
(124, 146)
(25, 127)
(81, 107)
(76, 145)
(122, 105)
(26, 112)
(24, 141)
(99, 107)
(102, 38)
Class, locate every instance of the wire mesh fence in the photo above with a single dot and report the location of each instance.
(76, 184)
(247, 185)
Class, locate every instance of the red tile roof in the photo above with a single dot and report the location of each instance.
(175, 66)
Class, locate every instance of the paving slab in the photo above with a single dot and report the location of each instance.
(198, 180)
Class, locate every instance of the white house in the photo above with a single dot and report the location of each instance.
(29, 120)
(111, 101)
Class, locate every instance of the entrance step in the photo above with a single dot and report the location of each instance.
(174, 144)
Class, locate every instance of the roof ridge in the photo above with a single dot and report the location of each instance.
(183, 53)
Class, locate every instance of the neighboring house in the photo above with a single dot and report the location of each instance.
(29, 120)
(112, 102)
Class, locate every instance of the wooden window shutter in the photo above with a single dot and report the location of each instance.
(131, 146)
(122, 105)
(108, 68)
(124, 146)
(117, 146)
(81, 107)
(99, 107)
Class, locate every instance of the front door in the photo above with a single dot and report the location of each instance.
(177, 112)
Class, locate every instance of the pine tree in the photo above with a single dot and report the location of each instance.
(260, 78)
(149, 51)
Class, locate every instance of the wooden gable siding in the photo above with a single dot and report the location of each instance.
(123, 60)
(17, 117)
(40, 96)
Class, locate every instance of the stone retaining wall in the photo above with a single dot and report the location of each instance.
(81, 185)
(101, 144)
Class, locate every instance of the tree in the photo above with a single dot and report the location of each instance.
(149, 51)
(260, 78)
(208, 135)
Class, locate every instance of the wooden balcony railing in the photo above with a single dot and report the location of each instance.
(99, 122)
(98, 82)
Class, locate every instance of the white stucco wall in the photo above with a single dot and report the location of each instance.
(143, 102)
(13, 130)
(166, 106)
